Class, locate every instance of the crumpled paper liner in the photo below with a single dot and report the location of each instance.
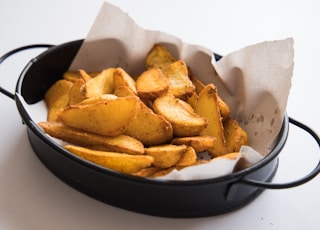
(255, 81)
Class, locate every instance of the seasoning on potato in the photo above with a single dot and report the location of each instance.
(147, 126)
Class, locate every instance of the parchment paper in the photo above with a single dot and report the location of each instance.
(255, 81)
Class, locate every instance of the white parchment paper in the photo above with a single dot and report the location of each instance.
(255, 81)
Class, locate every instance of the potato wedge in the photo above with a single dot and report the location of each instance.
(57, 97)
(116, 161)
(123, 91)
(152, 83)
(122, 78)
(188, 158)
(224, 108)
(162, 172)
(159, 57)
(207, 106)
(235, 136)
(74, 75)
(180, 114)
(120, 143)
(149, 127)
(199, 143)
(101, 84)
(180, 84)
(75, 94)
(166, 156)
(192, 100)
(109, 117)
(199, 85)
(147, 172)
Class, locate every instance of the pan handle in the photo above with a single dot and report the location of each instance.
(295, 183)
(10, 53)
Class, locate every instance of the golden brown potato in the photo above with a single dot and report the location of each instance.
(152, 83)
(180, 84)
(180, 114)
(207, 106)
(235, 136)
(188, 158)
(121, 162)
(162, 172)
(192, 100)
(124, 91)
(74, 75)
(75, 94)
(120, 143)
(166, 156)
(225, 110)
(199, 143)
(57, 97)
(149, 128)
(109, 117)
(199, 85)
(99, 85)
(122, 78)
(159, 57)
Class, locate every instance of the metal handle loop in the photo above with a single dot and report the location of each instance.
(295, 183)
(10, 53)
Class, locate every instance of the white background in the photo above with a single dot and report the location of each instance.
(32, 198)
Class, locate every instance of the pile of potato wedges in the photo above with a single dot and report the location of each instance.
(144, 125)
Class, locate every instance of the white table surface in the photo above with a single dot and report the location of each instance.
(33, 198)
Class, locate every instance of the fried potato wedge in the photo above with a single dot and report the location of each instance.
(180, 114)
(159, 57)
(57, 97)
(180, 84)
(162, 172)
(120, 143)
(235, 135)
(109, 117)
(199, 143)
(122, 78)
(188, 158)
(224, 108)
(99, 85)
(207, 106)
(199, 85)
(149, 127)
(75, 94)
(123, 91)
(147, 172)
(192, 100)
(74, 75)
(152, 83)
(121, 162)
(166, 156)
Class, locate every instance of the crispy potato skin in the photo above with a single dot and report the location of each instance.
(121, 162)
(57, 98)
(152, 83)
(149, 127)
(166, 156)
(199, 143)
(207, 106)
(159, 57)
(235, 136)
(108, 117)
(121, 143)
(180, 114)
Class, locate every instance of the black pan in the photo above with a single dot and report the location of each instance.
(197, 198)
